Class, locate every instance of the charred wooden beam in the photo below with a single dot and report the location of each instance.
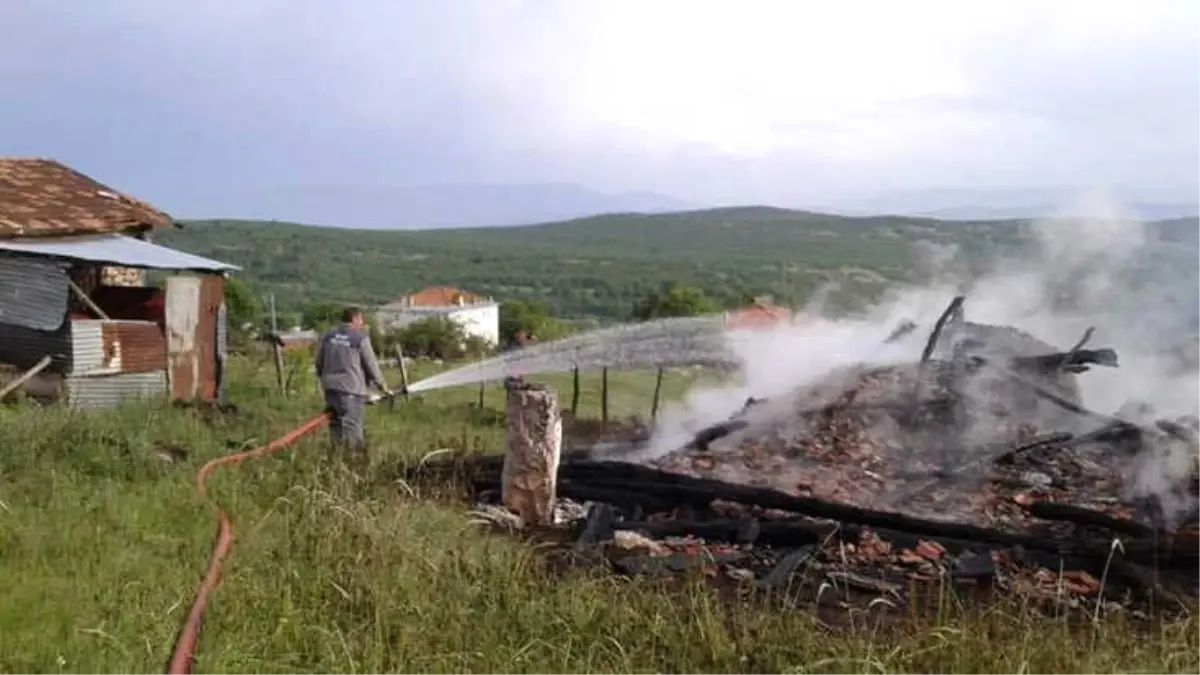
(905, 328)
(706, 436)
(952, 313)
(1048, 363)
(1087, 517)
(1083, 340)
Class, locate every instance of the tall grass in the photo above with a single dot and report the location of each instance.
(102, 541)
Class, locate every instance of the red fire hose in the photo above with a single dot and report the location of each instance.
(185, 644)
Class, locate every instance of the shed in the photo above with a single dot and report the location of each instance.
(73, 290)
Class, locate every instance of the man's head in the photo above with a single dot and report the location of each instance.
(354, 316)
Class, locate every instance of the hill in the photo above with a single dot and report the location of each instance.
(599, 266)
(429, 206)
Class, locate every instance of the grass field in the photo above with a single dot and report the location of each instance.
(102, 543)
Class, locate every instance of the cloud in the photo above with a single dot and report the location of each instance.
(763, 100)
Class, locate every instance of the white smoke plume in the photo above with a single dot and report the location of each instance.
(1102, 271)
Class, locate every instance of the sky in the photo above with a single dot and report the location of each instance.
(788, 102)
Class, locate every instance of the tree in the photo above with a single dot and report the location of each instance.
(437, 337)
(531, 318)
(321, 315)
(674, 300)
(241, 304)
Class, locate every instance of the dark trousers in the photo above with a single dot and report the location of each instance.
(346, 426)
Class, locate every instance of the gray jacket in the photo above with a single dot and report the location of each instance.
(346, 362)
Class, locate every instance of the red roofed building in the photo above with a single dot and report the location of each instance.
(762, 314)
(479, 316)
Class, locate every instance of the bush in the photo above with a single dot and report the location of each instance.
(530, 320)
(437, 337)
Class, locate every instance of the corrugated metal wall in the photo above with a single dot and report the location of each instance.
(33, 313)
(106, 362)
(24, 347)
(106, 391)
(110, 347)
(116, 361)
(33, 292)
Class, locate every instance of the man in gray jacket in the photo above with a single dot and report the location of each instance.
(346, 365)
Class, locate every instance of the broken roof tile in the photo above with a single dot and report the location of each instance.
(42, 197)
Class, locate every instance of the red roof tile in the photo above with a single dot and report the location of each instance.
(442, 296)
(41, 197)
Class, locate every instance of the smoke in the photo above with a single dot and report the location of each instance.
(1102, 270)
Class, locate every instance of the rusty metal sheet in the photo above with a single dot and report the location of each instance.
(182, 319)
(134, 346)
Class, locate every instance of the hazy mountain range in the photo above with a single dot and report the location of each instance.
(430, 206)
(478, 204)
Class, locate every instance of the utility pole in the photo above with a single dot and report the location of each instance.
(274, 318)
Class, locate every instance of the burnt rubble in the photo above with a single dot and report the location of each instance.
(975, 467)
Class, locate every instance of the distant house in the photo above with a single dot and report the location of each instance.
(479, 316)
(74, 299)
(762, 314)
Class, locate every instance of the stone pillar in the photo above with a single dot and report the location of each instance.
(530, 476)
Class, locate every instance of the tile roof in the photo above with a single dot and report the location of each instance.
(441, 296)
(759, 315)
(41, 197)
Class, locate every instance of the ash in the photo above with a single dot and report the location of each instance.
(988, 422)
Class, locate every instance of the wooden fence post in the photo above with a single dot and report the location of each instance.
(574, 392)
(403, 370)
(604, 399)
(278, 349)
(658, 380)
(482, 387)
(530, 474)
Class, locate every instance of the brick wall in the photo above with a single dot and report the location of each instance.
(122, 276)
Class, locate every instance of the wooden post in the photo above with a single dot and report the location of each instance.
(530, 473)
(403, 370)
(24, 377)
(87, 301)
(604, 399)
(278, 349)
(658, 379)
(574, 392)
(482, 386)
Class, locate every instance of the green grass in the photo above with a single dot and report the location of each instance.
(102, 544)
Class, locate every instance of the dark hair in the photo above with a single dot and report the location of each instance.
(350, 313)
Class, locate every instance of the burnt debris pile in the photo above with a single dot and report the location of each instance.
(975, 466)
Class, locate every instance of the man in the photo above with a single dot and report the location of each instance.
(346, 365)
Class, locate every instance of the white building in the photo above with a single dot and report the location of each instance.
(479, 316)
